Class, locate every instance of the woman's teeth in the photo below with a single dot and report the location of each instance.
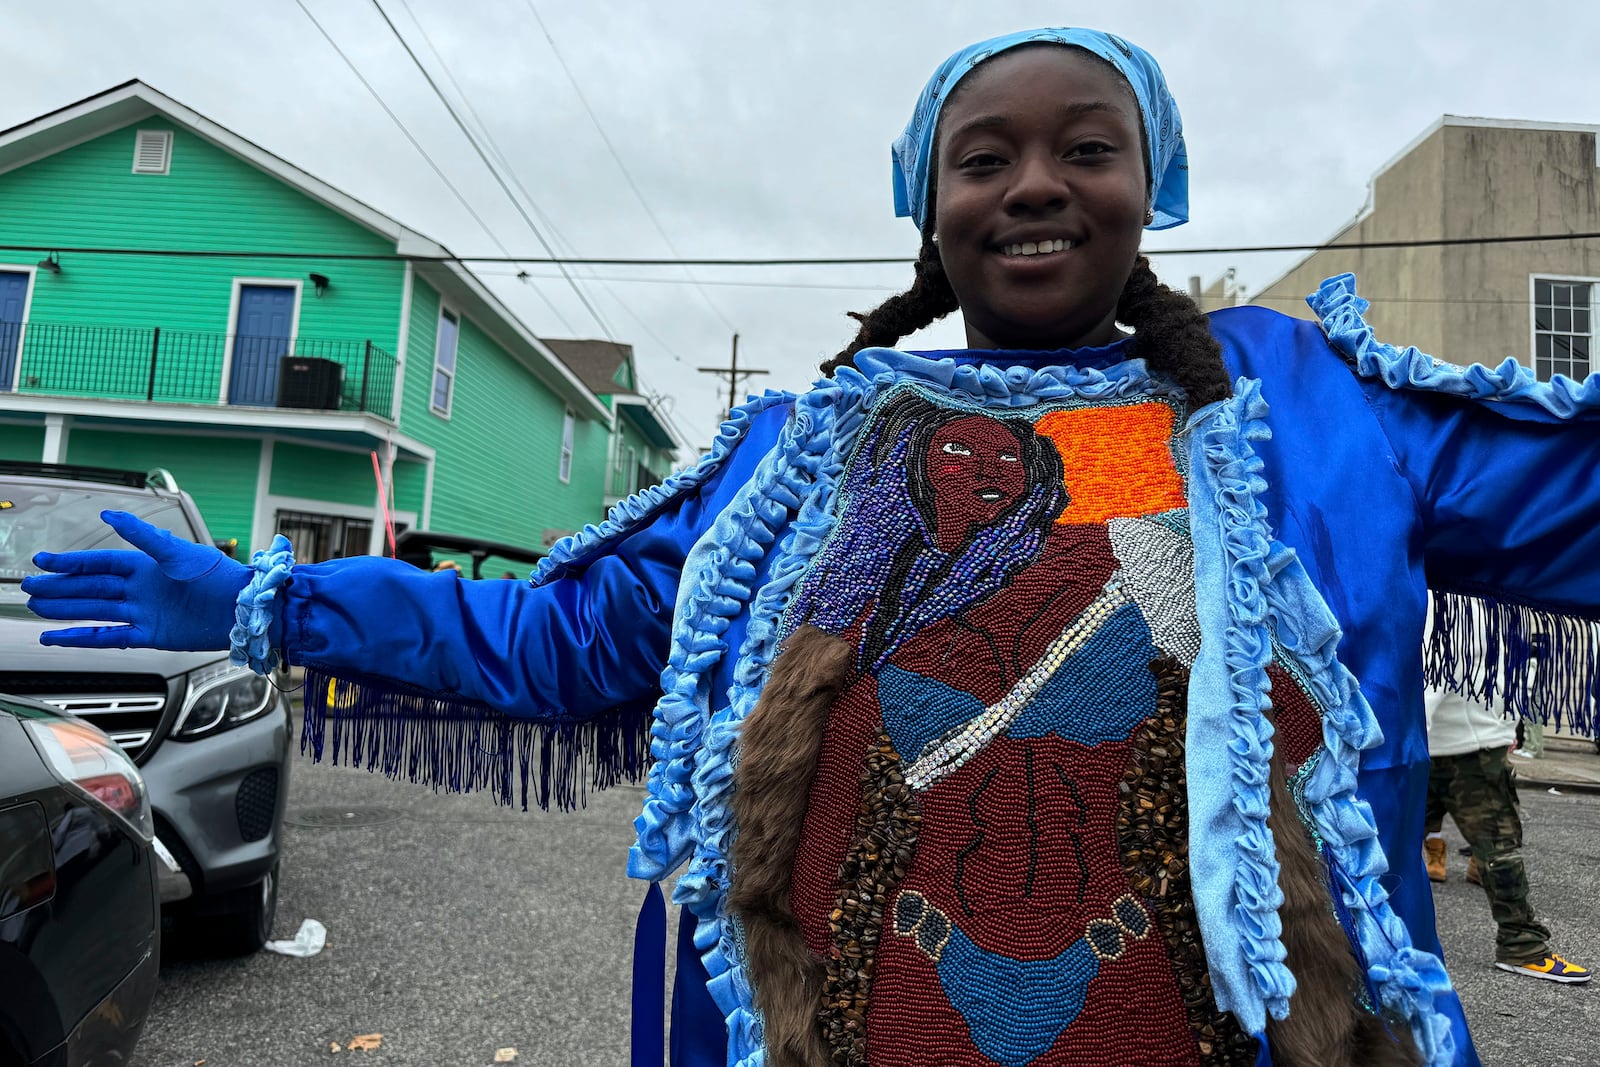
(1033, 248)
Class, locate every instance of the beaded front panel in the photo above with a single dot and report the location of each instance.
(1008, 580)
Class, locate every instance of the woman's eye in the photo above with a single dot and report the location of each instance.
(983, 159)
(1091, 148)
(1008, 457)
(955, 448)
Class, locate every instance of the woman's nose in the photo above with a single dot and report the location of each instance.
(1036, 184)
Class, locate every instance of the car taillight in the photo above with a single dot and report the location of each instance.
(88, 761)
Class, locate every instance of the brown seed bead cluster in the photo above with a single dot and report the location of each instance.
(880, 854)
(1153, 835)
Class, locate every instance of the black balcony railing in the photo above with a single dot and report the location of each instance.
(195, 367)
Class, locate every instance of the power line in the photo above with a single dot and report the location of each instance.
(505, 164)
(387, 110)
(616, 158)
(789, 261)
(495, 173)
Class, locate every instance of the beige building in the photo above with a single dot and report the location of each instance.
(1463, 179)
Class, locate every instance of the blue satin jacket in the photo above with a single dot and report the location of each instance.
(1356, 476)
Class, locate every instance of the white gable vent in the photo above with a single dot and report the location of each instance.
(152, 152)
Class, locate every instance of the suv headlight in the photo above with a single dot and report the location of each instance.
(221, 697)
(90, 763)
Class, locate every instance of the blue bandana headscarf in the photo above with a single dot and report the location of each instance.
(1169, 162)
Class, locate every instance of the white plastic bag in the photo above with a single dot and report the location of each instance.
(307, 942)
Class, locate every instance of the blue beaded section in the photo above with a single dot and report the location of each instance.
(785, 513)
(259, 609)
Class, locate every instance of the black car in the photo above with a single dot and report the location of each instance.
(80, 916)
(211, 739)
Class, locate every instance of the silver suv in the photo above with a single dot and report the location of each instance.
(212, 740)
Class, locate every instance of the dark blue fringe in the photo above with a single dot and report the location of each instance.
(462, 746)
(1535, 664)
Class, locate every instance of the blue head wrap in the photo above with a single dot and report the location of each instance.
(1163, 128)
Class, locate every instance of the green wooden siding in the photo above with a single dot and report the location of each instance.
(209, 201)
(21, 442)
(323, 474)
(496, 474)
(410, 487)
(219, 472)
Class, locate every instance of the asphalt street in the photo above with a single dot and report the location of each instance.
(456, 928)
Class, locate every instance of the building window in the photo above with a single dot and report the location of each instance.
(444, 361)
(569, 427)
(317, 537)
(1563, 327)
(633, 467)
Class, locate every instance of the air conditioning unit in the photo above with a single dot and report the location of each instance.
(307, 382)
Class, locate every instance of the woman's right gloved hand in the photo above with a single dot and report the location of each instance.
(171, 593)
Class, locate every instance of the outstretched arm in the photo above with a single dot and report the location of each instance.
(586, 642)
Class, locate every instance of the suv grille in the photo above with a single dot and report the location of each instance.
(127, 707)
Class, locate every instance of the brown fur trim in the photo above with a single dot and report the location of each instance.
(779, 746)
(1326, 1025)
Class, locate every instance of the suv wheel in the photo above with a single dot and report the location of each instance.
(236, 923)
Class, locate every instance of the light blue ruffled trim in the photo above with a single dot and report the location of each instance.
(1408, 979)
(823, 417)
(259, 609)
(632, 512)
(1335, 302)
(1228, 739)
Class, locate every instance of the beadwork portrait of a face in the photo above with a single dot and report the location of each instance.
(996, 841)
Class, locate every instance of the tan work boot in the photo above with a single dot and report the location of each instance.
(1433, 850)
(1472, 872)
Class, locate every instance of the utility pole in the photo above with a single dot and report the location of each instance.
(733, 374)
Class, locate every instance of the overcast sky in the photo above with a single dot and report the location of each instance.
(762, 129)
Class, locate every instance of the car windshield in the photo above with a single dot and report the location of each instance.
(66, 518)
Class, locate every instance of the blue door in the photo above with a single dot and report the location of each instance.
(13, 298)
(261, 340)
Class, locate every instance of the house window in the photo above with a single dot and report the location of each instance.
(1563, 327)
(152, 152)
(444, 361)
(317, 537)
(569, 426)
(633, 467)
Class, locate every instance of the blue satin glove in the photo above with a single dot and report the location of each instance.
(171, 594)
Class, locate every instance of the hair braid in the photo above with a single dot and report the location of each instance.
(1173, 336)
(930, 297)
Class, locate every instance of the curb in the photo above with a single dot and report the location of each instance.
(1529, 782)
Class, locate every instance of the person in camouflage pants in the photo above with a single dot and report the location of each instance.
(1477, 788)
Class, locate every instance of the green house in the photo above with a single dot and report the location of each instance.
(175, 296)
(644, 448)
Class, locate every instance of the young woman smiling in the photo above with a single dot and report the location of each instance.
(998, 705)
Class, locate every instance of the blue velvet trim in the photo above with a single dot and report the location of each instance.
(1335, 302)
(574, 551)
(1228, 739)
(810, 470)
(259, 610)
(1406, 979)
(463, 746)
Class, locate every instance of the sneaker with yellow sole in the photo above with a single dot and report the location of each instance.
(1552, 969)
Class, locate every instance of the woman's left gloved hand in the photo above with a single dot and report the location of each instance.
(171, 594)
